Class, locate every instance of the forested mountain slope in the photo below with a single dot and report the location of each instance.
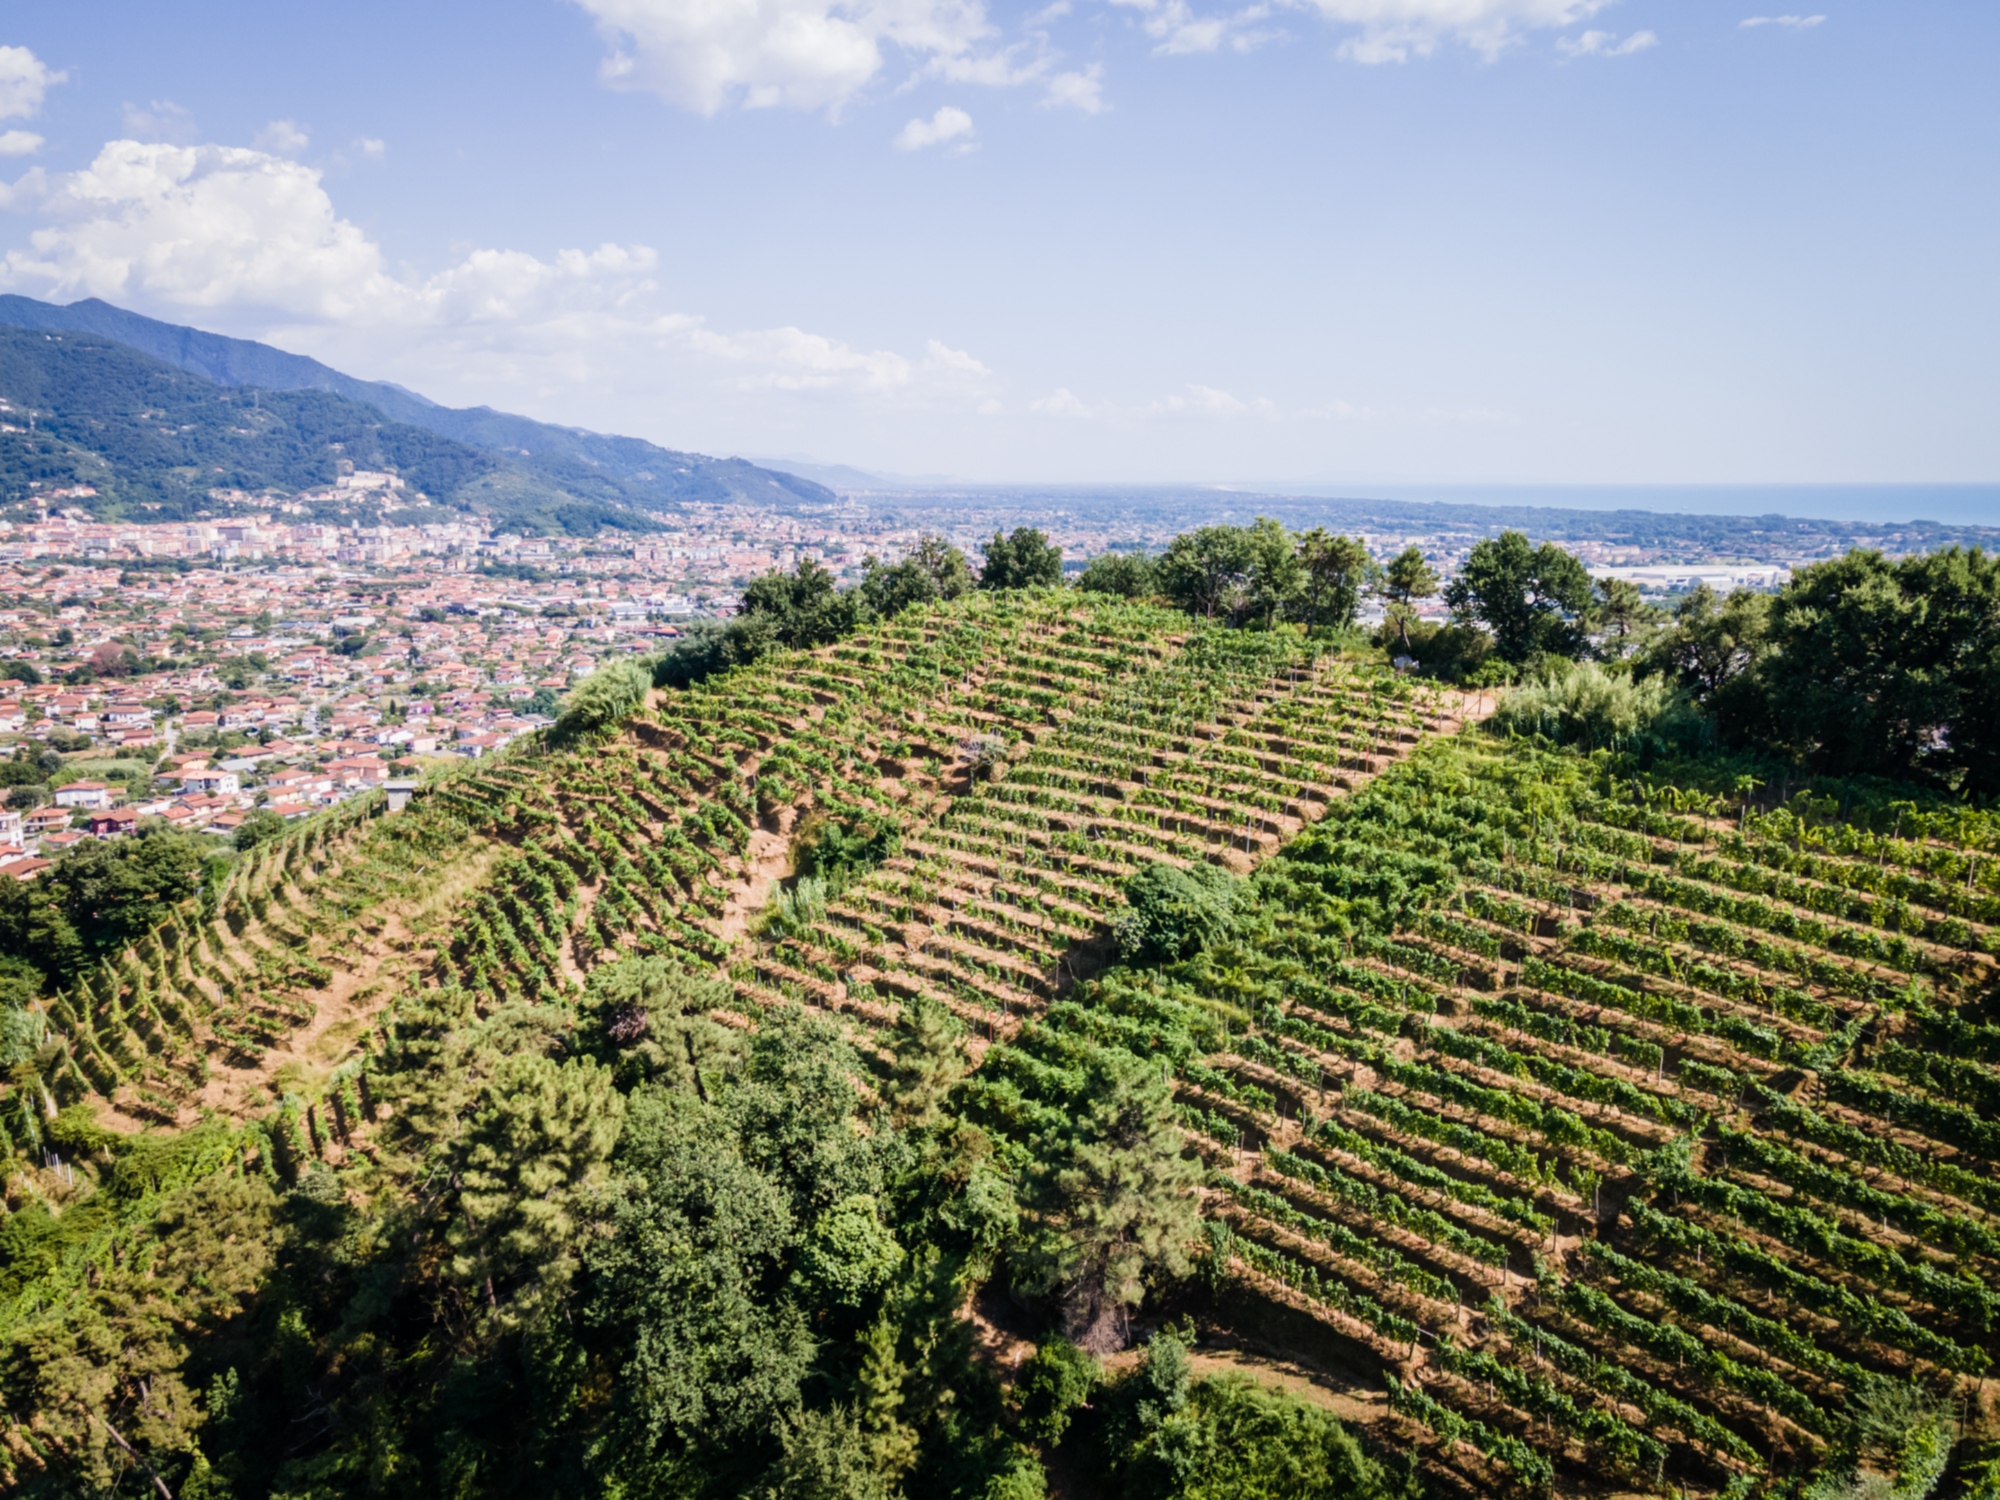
(673, 1111)
(566, 463)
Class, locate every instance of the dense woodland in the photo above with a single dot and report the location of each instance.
(970, 1036)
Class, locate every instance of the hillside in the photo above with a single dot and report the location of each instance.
(800, 1085)
(565, 462)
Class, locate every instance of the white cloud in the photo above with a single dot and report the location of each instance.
(162, 120)
(1052, 12)
(25, 81)
(948, 124)
(1792, 23)
(372, 147)
(1605, 44)
(19, 143)
(1080, 90)
(1180, 32)
(1397, 30)
(800, 54)
(282, 138)
(253, 240)
(1060, 402)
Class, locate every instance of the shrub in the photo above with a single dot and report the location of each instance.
(1595, 708)
(1173, 913)
(602, 701)
(1053, 1385)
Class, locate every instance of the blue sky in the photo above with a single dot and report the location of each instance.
(1344, 240)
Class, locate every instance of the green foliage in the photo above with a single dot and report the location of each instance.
(1116, 1198)
(260, 827)
(1053, 1386)
(935, 571)
(1335, 573)
(98, 897)
(1169, 1438)
(1532, 599)
(800, 608)
(1173, 912)
(837, 852)
(1025, 560)
(685, 1288)
(601, 702)
(1124, 575)
(1591, 707)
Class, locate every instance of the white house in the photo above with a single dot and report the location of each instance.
(84, 794)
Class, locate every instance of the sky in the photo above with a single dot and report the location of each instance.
(1346, 241)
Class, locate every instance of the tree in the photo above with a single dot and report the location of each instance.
(260, 827)
(1884, 668)
(1407, 579)
(1208, 570)
(927, 1061)
(1532, 599)
(1025, 560)
(1276, 574)
(531, 1169)
(801, 608)
(602, 702)
(1126, 575)
(100, 896)
(1711, 642)
(1337, 569)
(687, 1287)
(1116, 1200)
(945, 564)
(1619, 611)
(891, 588)
(20, 671)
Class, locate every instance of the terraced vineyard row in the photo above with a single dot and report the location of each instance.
(1641, 1144)
(165, 1027)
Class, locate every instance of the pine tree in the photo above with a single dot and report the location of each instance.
(891, 1441)
(1117, 1199)
(928, 1063)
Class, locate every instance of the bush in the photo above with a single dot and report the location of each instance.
(1174, 913)
(1595, 708)
(1053, 1385)
(602, 701)
(1235, 1440)
(703, 650)
(1459, 654)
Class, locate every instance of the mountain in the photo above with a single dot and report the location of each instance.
(564, 465)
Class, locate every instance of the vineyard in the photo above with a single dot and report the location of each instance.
(1634, 1131)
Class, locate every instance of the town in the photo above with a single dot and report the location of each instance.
(231, 674)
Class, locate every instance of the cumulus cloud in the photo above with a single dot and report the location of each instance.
(19, 143)
(1791, 23)
(800, 54)
(254, 240)
(948, 124)
(25, 81)
(1605, 44)
(282, 138)
(1077, 90)
(372, 148)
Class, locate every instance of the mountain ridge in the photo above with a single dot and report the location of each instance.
(586, 465)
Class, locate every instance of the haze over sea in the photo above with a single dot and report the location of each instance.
(1950, 504)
